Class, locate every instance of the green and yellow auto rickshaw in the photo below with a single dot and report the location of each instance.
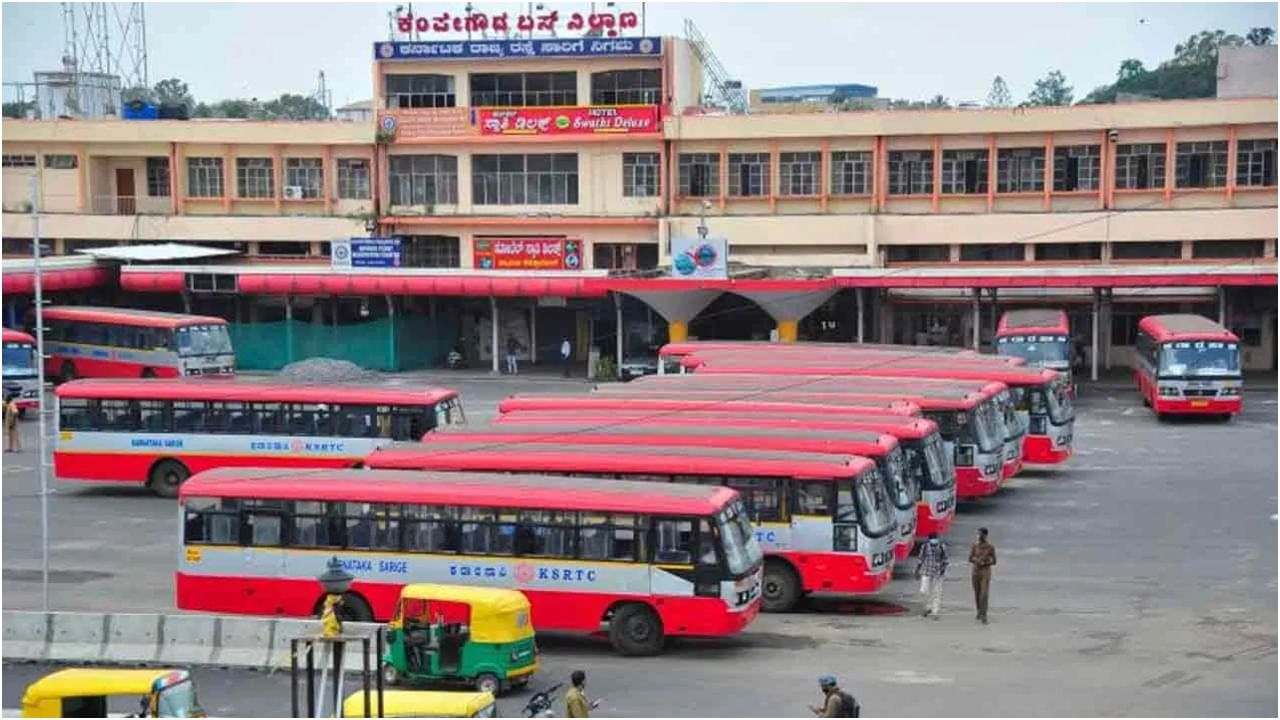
(444, 633)
(109, 692)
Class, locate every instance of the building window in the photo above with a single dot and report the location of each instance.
(353, 179)
(910, 172)
(1201, 164)
(61, 162)
(284, 248)
(524, 89)
(1076, 167)
(1256, 163)
(918, 253)
(1068, 251)
(639, 174)
(525, 179)
(19, 160)
(1140, 166)
(992, 253)
(204, 177)
(158, 177)
(423, 179)
(624, 256)
(255, 178)
(626, 87)
(420, 91)
(850, 173)
(1227, 249)
(305, 174)
(1020, 170)
(748, 174)
(699, 174)
(430, 251)
(798, 173)
(964, 172)
(1152, 250)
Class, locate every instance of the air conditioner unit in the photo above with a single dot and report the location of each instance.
(292, 192)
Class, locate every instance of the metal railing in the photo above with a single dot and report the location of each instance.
(130, 205)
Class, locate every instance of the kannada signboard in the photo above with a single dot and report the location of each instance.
(526, 253)
(422, 123)
(604, 24)
(620, 120)
(535, 48)
(700, 257)
(365, 253)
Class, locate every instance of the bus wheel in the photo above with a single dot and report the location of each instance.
(167, 476)
(390, 675)
(148, 372)
(355, 609)
(635, 630)
(68, 372)
(781, 589)
(488, 682)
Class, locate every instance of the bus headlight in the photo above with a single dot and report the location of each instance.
(1229, 392)
(964, 456)
(1170, 391)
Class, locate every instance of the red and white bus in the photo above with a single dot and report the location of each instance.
(1040, 336)
(1188, 365)
(159, 432)
(969, 423)
(21, 375)
(645, 560)
(674, 353)
(824, 520)
(900, 486)
(600, 402)
(924, 451)
(122, 343)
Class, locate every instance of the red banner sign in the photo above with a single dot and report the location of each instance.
(526, 253)
(624, 120)
(601, 24)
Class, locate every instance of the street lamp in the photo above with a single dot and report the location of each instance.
(335, 580)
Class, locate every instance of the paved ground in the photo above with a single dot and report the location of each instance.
(1140, 579)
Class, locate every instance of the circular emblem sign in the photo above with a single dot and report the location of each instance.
(705, 256)
(524, 573)
(388, 123)
(340, 252)
(685, 265)
(646, 46)
(386, 50)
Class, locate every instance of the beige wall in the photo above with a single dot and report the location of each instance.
(185, 228)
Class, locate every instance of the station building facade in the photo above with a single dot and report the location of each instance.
(536, 187)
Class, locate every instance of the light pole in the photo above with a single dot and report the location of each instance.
(40, 411)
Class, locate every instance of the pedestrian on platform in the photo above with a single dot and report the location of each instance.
(566, 351)
(12, 438)
(835, 702)
(982, 556)
(576, 704)
(931, 569)
(513, 350)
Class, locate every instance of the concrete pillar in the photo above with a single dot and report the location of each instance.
(788, 330)
(677, 307)
(677, 331)
(618, 339)
(1029, 252)
(1269, 248)
(333, 310)
(1268, 341)
(317, 312)
(788, 309)
(391, 334)
(1222, 306)
(533, 334)
(288, 329)
(953, 253)
(885, 316)
(995, 310)
(493, 331)
(1188, 250)
(186, 303)
(253, 309)
(431, 308)
(1093, 344)
(859, 293)
(1104, 313)
(977, 317)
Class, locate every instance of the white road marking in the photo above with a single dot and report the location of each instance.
(911, 677)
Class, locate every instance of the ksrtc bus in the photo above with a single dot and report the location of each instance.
(121, 343)
(1188, 365)
(21, 374)
(1040, 336)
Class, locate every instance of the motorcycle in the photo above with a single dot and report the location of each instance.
(539, 705)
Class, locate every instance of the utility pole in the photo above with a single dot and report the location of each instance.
(44, 403)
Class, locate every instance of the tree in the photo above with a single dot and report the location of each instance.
(295, 107)
(1130, 69)
(999, 97)
(938, 102)
(1052, 89)
(1260, 36)
(18, 110)
(173, 91)
(1202, 48)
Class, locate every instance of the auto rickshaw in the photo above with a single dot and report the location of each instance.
(88, 693)
(458, 633)
(423, 704)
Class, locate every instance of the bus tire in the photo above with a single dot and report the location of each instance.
(488, 682)
(148, 373)
(354, 608)
(67, 373)
(166, 477)
(636, 631)
(781, 590)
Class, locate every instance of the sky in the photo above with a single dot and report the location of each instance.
(910, 51)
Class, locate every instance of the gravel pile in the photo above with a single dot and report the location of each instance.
(326, 370)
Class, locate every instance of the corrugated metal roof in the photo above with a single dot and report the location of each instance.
(156, 253)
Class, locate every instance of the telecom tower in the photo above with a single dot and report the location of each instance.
(719, 88)
(107, 39)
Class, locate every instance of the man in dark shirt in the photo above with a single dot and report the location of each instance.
(982, 557)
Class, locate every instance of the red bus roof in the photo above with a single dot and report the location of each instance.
(906, 368)
(250, 390)
(932, 400)
(656, 434)
(827, 355)
(125, 316)
(1167, 328)
(1035, 321)
(18, 336)
(621, 403)
(901, 427)
(689, 347)
(435, 488)
(626, 458)
(945, 388)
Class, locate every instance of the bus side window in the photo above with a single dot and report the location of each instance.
(73, 414)
(545, 533)
(188, 416)
(812, 498)
(762, 495)
(428, 528)
(120, 415)
(476, 526)
(706, 544)
(270, 418)
(213, 522)
(673, 541)
(263, 523)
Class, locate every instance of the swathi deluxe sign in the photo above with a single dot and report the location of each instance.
(617, 120)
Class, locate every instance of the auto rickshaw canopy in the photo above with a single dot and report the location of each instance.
(421, 703)
(498, 615)
(94, 682)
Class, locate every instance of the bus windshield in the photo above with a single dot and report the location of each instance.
(1199, 358)
(942, 474)
(204, 340)
(904, 486)
(1061, 408)
(19, 359)
(1036, 348)
(741, 550)
(988, 427)
(1014, 425)
(867, 500)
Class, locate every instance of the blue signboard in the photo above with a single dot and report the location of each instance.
(366, 253)
(537, 48)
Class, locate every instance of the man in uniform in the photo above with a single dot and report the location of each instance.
(982, 557)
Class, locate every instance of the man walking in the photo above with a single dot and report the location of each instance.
(513, 350)
(565, 352)
(931, 570)
(982, 556)
(576, 704)
(12, 437)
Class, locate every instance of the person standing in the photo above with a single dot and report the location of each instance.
(982, 556)
(12, 438)
(576, 704)
(835, 702)
(566, 351)
(931, 569)
(513, 350)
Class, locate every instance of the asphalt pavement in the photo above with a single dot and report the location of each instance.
(1137, 579)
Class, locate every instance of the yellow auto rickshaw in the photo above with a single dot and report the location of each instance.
(456, 633)
(97, 692)
(423, 704)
